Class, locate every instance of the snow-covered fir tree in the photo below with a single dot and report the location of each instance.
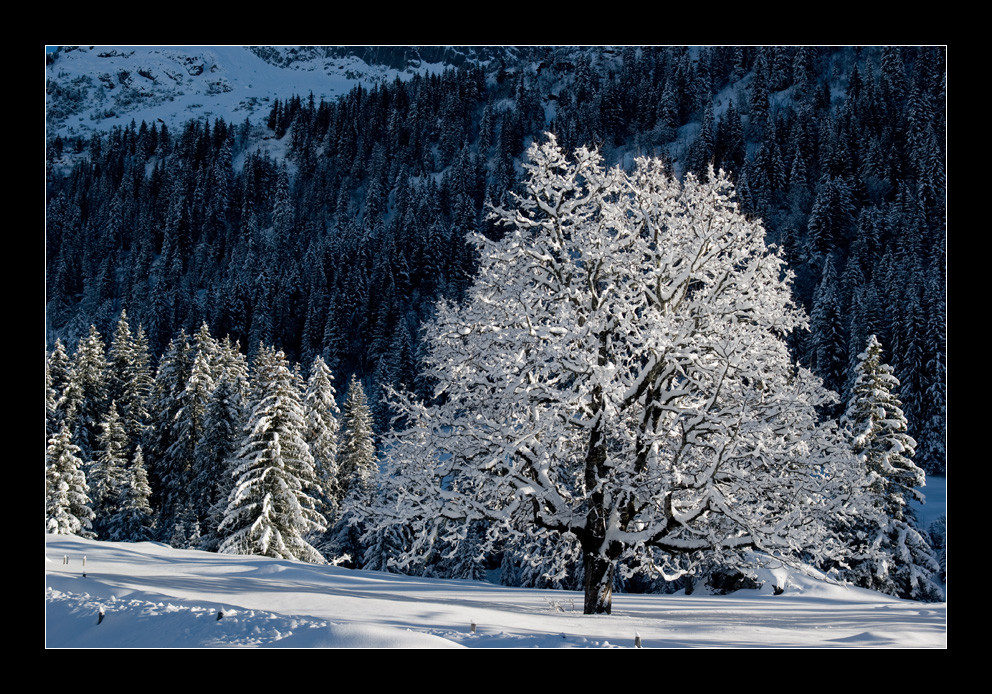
(169, 479)
(223, 425)
(272, 509)
(68, 509)
(57, 367)
(379, 547)
(129, 378)
(879, 434)
(932, 428)
(357, 457)
(619, 372)
(466, 558)
(134, 520)
(322, 432)
(356, 480)
(188, 427)
(890, 553)
(85, 394)
(107, 474)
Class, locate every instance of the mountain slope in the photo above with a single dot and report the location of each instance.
(94, 88)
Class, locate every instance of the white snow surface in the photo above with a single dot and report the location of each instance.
(153, 596)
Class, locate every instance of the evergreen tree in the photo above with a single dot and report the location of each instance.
(68, 508)
(467, 557)
(57, 368)
(134, 520)
(107, 474)
(932, 422)
(891, 554)
(730, 146)
(382, 527)
(191, 464)
(759, 96)
(86, 392)
(380, 549)
(224, 419)
(272, 509)
(546, 560)
(828, 342)
(322, 428)
(703, 150)
(212, 482)
(804, 71)
(832, 216)
(168, 480)
(129, 378)
(357, 472)
(357, 458)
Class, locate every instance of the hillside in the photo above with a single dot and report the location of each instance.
(96, 88)
(839, 151)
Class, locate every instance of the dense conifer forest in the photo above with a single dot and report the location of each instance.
(186, 266)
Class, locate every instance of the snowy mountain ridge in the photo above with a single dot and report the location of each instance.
(94, 88)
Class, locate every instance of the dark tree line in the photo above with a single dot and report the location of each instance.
(340, 246)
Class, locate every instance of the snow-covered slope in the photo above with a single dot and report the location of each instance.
(153, 596)
(93, 88)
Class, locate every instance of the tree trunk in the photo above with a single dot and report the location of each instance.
(598, 556)
(598, 583)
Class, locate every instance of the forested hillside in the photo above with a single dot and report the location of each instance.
(324, 235)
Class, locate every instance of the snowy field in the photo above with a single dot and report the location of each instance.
(153, 596)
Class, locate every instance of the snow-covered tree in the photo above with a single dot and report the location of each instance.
(619, 373)
(85, 394)
(134, 521)
(322, 418)
(216, 450)
(271, 508)
(357, 458)
(379, 548)
(189, 460)
(188, 422)
(356, 487)
(107, 474)
(389, 538)
(68, 509)
(57, 367)
(891, 554)
(129, 378)
(169, 480)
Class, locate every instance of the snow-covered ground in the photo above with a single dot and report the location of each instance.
(153, 596)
